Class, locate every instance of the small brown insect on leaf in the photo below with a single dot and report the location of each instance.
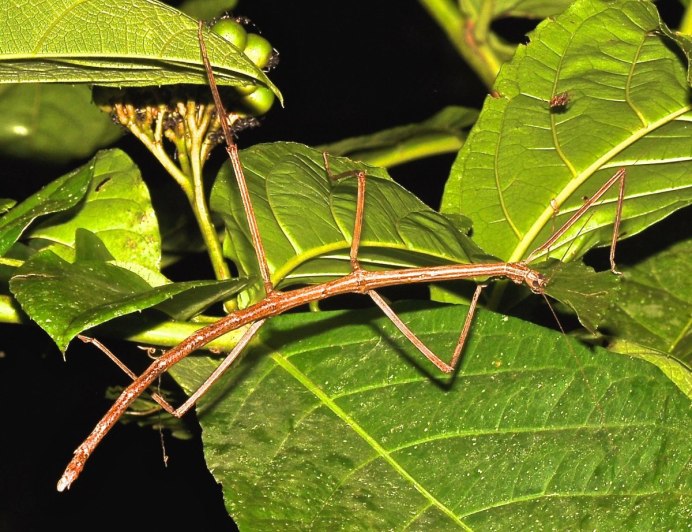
(559, 102)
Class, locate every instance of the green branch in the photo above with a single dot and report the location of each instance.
(468, 35)
(413, 150)
(686, 22)
(165, 334)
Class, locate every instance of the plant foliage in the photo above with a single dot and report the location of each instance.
(332, 419)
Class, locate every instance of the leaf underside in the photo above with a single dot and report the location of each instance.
(306, 220)
(101, 42)
(527, 167)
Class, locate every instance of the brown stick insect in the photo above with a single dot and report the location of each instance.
(358, 281)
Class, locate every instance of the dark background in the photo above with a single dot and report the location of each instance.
(347, 68)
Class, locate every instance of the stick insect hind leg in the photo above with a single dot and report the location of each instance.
(379, 300)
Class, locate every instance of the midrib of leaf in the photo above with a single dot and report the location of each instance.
(600, 163)
(327, 401)
(341, 246)
(681, 336)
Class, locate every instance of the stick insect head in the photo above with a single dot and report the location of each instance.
(536, 281)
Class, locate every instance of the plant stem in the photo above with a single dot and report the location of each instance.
(686, 22)
(461, 31)
(485, 17)
(188, 135)
(157, 150)
(165, 334)
(169, 334)
(15, 263)
(199, 202)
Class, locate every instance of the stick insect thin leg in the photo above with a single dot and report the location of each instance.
(441, 364)
(155, 396)
(618, 219)
(619, 175)
(220, 370)
(232, 150)
(360, 208)
(379, 300)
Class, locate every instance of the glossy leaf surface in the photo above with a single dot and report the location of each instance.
(306, 219)
(628, 106)
(57, 123)
(66, 299)
(653, 309)
(60, 195)
(117, 207)
(101, 42)
(334, 421)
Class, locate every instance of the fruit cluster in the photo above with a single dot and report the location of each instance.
(253, 99)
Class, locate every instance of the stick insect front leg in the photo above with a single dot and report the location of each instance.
(618, 176)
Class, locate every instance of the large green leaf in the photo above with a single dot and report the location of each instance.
(60, 195)
(52, 122)
(67, 298)
(306, 220)
(653, 308)
(629, 107)
(124, 43)
(117, 208)
(335, 422)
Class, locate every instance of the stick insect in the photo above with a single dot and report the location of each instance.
(358, 281)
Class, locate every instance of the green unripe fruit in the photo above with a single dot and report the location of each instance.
(232, 31)
(258, 102)
(258, 50)
(244, 90)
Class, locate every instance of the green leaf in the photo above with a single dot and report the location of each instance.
(55, 123)
(306, 220)
(519, 8)
(126, 43)
(653, 306)
(66, 299)
(207, 9)
(685, 43)
(677, 371)
(60, 195)
(590, 294)
(336, 422)
(117, 208)
(441, 133)
(629, 107)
